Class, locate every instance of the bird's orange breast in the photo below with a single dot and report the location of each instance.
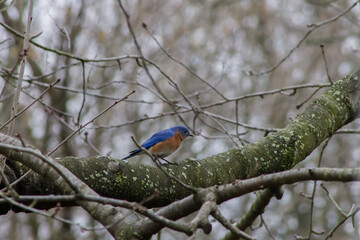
(167, 147)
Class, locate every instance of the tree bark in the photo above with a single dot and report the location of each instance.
(279, 151)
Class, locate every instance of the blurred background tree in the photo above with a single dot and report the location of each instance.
(222, 51)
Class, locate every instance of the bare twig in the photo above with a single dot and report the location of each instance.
(51, 109)
(342, 212)
(8, 186)
(322, 46)
(237, 123)
(350, 215)
(91, 121)
(144, 64)
(22, 68)
(227, 224)
(43, 213)
(307, 99)
(257, 208)
(266, 227)
(181, 63)
(15, 104)
(83, 92)
(312, 198)
(312, 27)
(9, 74)
(17, 180)
(6, 7)
(142, 58)
(32, 103)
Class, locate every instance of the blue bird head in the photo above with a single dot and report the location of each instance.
(182, 130)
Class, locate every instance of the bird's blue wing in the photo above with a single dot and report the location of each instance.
(154, 139)
(158, 137)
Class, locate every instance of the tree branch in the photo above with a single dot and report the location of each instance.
(277, 152)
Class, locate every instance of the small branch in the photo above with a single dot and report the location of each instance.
(227, 224)
(22, 68)
(312, 27)
(91, 121)
(248, 126)
(266, 227)
(334, 202)
(312, 197)
(51, 109)
(20, 78)
(175, 179)
(8, 75)
(182, 64)
(241, 187)
(83, 92)
(308, 99)
(351, 214)
(144, 64)
(7, 184)
(17, 180)
(32, 103)
(257, 208)
(42, 213)
(143, 61)
(326, 65)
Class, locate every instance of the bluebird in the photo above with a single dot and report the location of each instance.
(163, 143)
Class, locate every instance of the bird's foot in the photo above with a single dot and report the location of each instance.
(168, 162)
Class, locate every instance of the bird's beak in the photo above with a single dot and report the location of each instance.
(190, 135)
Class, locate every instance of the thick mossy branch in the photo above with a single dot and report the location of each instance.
(276, 152)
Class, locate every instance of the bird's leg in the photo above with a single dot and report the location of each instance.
(157, 159)
(171, 163)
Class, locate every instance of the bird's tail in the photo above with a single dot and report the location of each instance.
(132, 153)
